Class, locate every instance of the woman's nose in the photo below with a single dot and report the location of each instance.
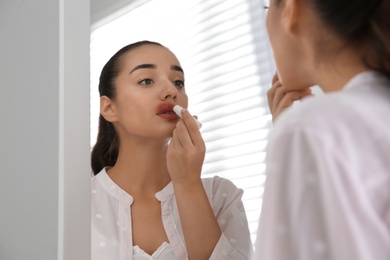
(168, 91)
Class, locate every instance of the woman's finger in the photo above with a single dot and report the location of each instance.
(287, 100)
(275, 93)
(192, 128)
(279, 93)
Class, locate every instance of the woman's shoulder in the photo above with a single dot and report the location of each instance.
(336, 111)
(99, 177)
(218, 181)
(364, 97)
(313, 109)
(103, 186)
(219, 186)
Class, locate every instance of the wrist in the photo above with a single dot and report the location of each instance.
(188, 185)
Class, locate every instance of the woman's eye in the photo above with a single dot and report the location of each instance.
(266, 4)
(179, 83)
(145, 82)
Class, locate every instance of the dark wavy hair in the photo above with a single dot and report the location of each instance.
(105, 151)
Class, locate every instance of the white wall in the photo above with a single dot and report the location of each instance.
(103, 11)
(100, 9)
(44, 129)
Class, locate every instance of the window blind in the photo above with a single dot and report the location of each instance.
(223, 48)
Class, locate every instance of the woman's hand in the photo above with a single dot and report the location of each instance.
(279, 98)
(186, 151)
(185, 156)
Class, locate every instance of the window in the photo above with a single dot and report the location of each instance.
(223, 48)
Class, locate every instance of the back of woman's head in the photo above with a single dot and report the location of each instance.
(363, 23)
(105, 151)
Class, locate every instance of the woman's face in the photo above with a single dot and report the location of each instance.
(288, 51)
(150, 83)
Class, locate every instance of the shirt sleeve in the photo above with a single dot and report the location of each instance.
(314, 207)
(235, 242)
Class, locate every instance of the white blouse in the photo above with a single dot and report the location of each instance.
(327, 193)
(111, 220)
(164, 252)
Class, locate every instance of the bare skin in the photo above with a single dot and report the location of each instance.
(293, 29)
(200, 227)
(154, 151)
(279, 98)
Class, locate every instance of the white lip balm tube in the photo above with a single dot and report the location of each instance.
(177, 109)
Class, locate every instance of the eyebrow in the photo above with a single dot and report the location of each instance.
(177, 68)
(143, 66)
(153, 66)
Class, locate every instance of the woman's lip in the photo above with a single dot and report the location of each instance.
(169, 116)
(165, 110)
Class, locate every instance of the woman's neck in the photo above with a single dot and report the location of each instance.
(141, 167)
(334, 79)
(336, 70)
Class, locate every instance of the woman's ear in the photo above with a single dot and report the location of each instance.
(291, 15)
(107, 109)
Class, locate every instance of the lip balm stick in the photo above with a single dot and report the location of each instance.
(177, 109)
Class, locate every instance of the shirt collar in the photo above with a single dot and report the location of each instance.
(367, 79)
(165, 193)
(112, 188)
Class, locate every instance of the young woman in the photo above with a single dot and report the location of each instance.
(148, 198)
(327, 194)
